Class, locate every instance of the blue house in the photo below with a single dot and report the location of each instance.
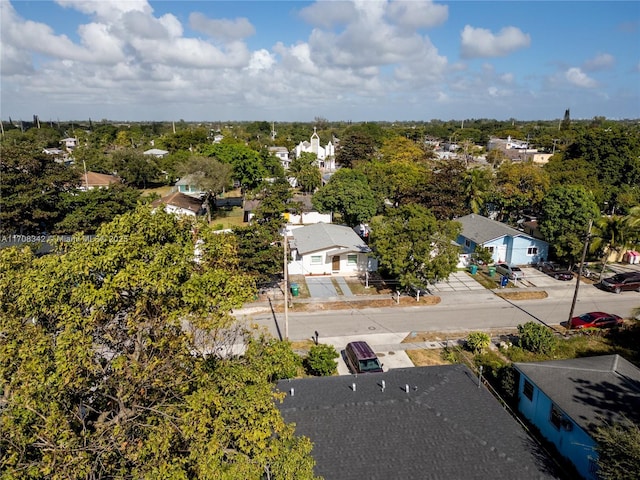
(505, 243)
(567, 400)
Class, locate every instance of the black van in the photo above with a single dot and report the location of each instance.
(361, 359)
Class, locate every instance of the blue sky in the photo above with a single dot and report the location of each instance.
(342, 60)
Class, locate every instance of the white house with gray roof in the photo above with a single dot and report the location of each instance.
(505, 243)
(327, 249)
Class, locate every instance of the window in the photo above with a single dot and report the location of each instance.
(532, 251)
(316, 259)
(555, 417)
(352, 259)
(467, 243)
(491, 249)
(528, 390)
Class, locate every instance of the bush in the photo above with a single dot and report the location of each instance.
(536, 338)
(478, 342)
(320, 361)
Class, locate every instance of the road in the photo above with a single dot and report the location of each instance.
(457, 311)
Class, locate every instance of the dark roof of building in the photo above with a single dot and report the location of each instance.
(444, 427)
(180, 200)
(482, 229)
(591, 390)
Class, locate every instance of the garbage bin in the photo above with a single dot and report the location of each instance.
(474, 269)
(295, 289)
(504, 281)
(492, 271)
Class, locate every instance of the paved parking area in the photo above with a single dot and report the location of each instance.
(321, 287)
(457, 282)
(381, 343)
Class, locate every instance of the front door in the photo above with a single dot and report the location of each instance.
(335, 263)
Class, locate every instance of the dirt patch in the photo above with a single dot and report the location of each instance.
(523, 295)
(426, 358)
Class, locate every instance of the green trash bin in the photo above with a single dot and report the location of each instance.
(474, 269)
(295, 289)
(492, 271)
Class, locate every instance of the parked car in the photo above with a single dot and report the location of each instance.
(596, 320)
(622, 282)
(555, 270)
(360, 358)
(510, 271)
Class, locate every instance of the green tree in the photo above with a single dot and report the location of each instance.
(114, 361)
(477, 185)
(618, 448)
(478, 342)
(566, 213)
(32, 185)
(134, 167)
(85, 211)
(444, 195)
(209, 175)
(536, 338)
(306, 172)
(258, 251)
(355, 147)
(520, 187)
(413, 246)
(248, 168)
(610, 235)
(349, 194)
(320, 361)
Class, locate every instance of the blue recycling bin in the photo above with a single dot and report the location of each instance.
(503, 281)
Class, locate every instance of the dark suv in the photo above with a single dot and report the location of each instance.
(622, 282)
(361, 358)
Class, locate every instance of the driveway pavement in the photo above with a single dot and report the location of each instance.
(321, 287)
(384, 344)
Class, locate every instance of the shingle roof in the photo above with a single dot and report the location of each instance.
(180, 200)
(322, 236)
(94, 179)
(590, 390)
(482, 229)
(444, 428)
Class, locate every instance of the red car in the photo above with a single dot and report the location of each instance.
(596, 320)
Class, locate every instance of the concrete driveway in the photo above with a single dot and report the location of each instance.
(384, 344)
(321, 287)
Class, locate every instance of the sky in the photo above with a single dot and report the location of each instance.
(361, 60)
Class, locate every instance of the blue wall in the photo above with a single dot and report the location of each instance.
(571, 440)
(514, 249)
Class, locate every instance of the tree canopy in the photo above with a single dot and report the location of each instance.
(413, 246)
(114, 361)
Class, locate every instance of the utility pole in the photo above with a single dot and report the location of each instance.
(584, 254)
(285, 286)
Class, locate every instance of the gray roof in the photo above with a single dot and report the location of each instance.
(322, 236)
(590, 390)
(444, 428)
(482, 229)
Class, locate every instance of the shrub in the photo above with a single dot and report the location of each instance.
(478, 342)
(536, 338)
(320, 361)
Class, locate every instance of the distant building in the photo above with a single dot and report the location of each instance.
(181, 204)
(92, 180)
(283, 155)
(69, 143)
(156, 152)
(325, 155)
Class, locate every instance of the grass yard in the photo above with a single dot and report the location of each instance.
(228, 218)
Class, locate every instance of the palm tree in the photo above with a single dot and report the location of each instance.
(611, 235)
(477, 183)
(633, 222)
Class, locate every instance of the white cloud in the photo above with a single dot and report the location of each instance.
(577, 77)
(222, 29)
(603, 61)
(328, 14)
(482, 43)
(416, 15)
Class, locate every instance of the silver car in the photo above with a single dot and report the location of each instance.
(510, 271)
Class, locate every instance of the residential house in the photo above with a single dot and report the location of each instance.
(415, 423)
(282, 154)
(189, 186)
(327, 249)
(326, 155)
(69, 143)
(91, 180)
(181, 204)
(567, 400)
(505, 243)
(156, 152)
(305, 214)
